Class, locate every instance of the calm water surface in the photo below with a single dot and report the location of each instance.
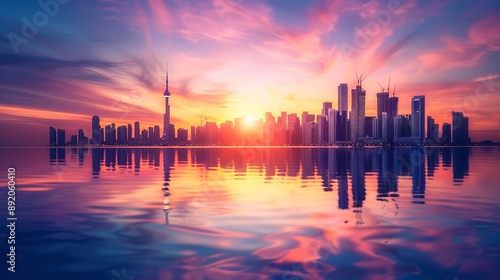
(254, 213)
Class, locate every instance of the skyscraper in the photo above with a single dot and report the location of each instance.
(52, 136)
(212, 130)
(137, 132)
(332, 126)
(107, 132)
(342, 97)
(166, 116)
(122, 135)
(151, 135)
(113, 134)
(129, 134)
(446, 136)
(294, 131)
(61, 137)
(418, 118)
(97, 138)
(193, 134)
(156, 131)
(392, 112)
(432, 131)
(326, 106)
(81, 137)
(460, 129)
(322, 128)
(382, 107)
(358, 97)
(342, 121)
(144, 137)
(385, 128)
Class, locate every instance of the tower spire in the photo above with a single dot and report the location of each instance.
(167, 92)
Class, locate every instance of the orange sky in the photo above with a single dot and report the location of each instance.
(234, 58)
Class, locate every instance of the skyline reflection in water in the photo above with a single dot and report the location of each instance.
(258, 213)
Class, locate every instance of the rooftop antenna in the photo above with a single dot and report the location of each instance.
(394, 92)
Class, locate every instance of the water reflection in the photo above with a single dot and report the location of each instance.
(260, 213)
(340, 168)
(460, 163)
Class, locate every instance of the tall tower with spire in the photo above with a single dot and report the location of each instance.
(166, 116)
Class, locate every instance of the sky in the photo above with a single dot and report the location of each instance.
(62, 61)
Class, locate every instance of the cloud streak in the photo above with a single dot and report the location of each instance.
(233, 58)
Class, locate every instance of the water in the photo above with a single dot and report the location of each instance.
(254, 213)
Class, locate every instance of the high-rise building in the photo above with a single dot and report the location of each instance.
(385, 128)
(171, 133)
(107, 133)
(342, 97)
(212, 132)
(200, 135)
(97, 137)
(122, 135)
(182, 135)
(435, 133)
(322, 128)
(137, 132)
(294, 132)
(129, 133)
(382, 107)
(151, 136)
(418, 118)
(193, 134)
(270, 118)
(281, 128)
(392, 112)
(113, 134)
(342, 134)
(368, 127)
(358, 96)
(374, 127)
(308, 118)
(326, 106)
(81, 137)
(61, 137)
(401, 127)
(52, 136)
(144, 137)
(446, 136)
(226, 133)
(460, 129)
(166, 117)
(332, 126)
(432, 131)
(310, 133)
(156, 133)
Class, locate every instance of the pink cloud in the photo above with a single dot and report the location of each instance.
(483, 37)
(486, 32)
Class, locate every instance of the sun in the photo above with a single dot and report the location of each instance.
(249, 121)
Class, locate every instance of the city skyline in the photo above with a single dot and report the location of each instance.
(325, 129)
(234, 58)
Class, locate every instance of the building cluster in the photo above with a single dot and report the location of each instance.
(110, 135)
(339, 126)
